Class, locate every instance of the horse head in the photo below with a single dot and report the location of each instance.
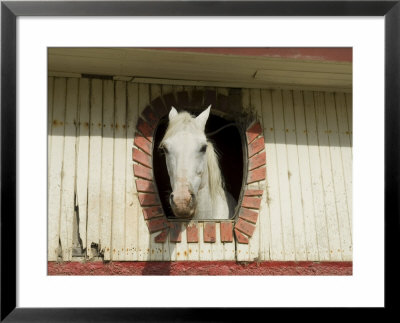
(185, 146)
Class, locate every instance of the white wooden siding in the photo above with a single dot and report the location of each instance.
(306, 210)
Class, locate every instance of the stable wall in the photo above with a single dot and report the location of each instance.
(306, 209)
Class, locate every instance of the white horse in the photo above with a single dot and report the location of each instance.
(197, 185)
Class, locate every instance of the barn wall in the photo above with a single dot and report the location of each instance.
(92, 199)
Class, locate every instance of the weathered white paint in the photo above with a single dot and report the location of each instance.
(107, 165)
(243, 250)
(131, 197)
(283, 176)
(327, 178)
(143, 242)
(305, 176)
(94, 181)
(55, 168)
(256, 246)
(272, 185)
(120, 160)
(306, 211)
(82, 166)
(316, 177)
(68, 171)
(50, 90)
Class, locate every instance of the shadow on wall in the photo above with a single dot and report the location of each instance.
(95, 107)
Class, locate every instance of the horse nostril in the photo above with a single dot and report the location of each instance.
(192, 198)
(171, 199)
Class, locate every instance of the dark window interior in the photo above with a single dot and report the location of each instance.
(227, 142)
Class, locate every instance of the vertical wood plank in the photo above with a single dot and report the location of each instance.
(284, 187)
(316, 177)
(144, 242)
(120, 158)
(107, 165)
(217, 250)
(205, 248)
(349, 106)
(327, 180)
(258, 242)
(55, 168)
(346, 149)
(193, 248)
(83, 158)
(305, 177)
(132, 203)
(157, 249)
(294, 177)
(68, 172)
(338, 178)
(182, 247)
(243, 250)
(50, 90)
(94, 181)
(272, 183)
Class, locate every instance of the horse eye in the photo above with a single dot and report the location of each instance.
(203, 149)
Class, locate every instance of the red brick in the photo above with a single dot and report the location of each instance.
(159, 107)
(226, 231)
(192, 233)
(141, 157)
(151, 117)
(245, 227)
(209, 232)
(257, 160)
(175, 231)
(253, 132)
(145, 186)
(256, 146)
(148, 199)
(141, 142)
(251, 202)
(256, 175)
(240, 237)
(248, 215)
(183, 99)
(253, 192)
(142, 172)
(152, 212)
(145, 129)
(170, 101)
(162, 237)
(157, 224)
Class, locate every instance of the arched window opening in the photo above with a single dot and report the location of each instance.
(229, 146)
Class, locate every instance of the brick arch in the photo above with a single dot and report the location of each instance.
(142, 153)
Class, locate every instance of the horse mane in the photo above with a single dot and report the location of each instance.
(185, 121)
(215, 180)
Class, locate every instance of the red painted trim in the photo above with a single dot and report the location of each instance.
(201, 268)
(335, 54)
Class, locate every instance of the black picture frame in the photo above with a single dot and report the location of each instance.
(10, 10)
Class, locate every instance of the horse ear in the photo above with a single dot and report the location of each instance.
(172, 114)
(202, 118)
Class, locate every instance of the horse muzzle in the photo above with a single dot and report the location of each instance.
(183, 205)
